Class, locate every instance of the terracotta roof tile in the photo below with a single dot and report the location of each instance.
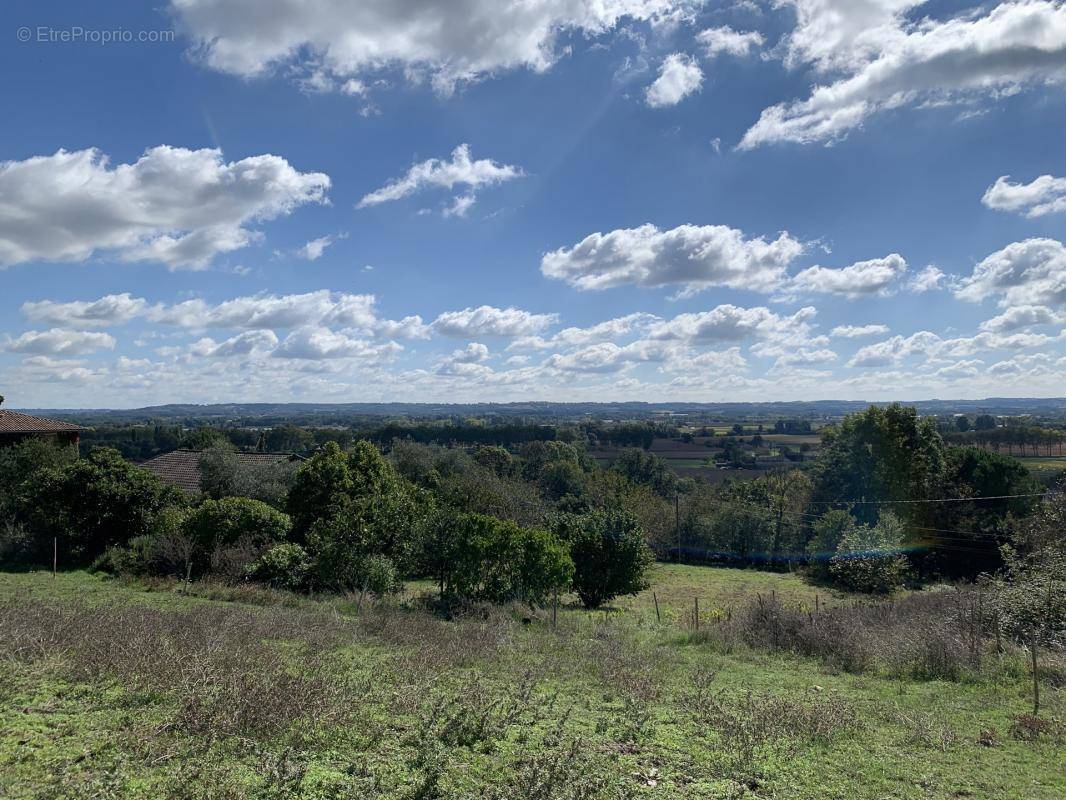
(15, 422)
(181, 468)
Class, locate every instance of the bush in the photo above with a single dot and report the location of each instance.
(284, 566)
(232, 532)
(610, 555)
(95, 503)
(828, 532)
(483, 558)
(869, 559)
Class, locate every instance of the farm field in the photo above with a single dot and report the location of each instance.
(1043, 468)
(112, 690)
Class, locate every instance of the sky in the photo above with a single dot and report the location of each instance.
(496, 200)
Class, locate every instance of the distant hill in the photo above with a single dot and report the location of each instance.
(345, 413)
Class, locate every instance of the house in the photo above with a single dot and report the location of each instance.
(181, 468)
(16, 427)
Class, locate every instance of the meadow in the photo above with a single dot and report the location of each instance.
(153, 689)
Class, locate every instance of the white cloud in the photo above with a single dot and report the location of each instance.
(1030, 272)
(875, 277)
(451, 43)
(1019, 317)
(928, 279)
(856, 331)
(1014, 45)
(608, 330)
(437, 173)
(176, 206)
(610, 357)
(1045, 195)
(729, 323)
(962, 369)
(471, 354)
(112, 309)
(250, 312)
(313, 250)
(491, 321)
(724, 39)
(692, 256)
(316, 342)
(240, 345)
(679, 76)
(60, 342)
(893, 351)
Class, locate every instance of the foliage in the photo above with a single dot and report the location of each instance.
(19, 465)
(610, 556)
(95, 503)
(869, 559)
(476, 557)
(885, 453)
(828, 532)
(647, 469)
(283, 566)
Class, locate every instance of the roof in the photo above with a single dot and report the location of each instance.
(14, 422)
(181, 468)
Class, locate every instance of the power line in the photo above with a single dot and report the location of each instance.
(930, 500)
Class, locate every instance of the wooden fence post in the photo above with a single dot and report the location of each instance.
(697, 617)
(658, 617)
(55, 556)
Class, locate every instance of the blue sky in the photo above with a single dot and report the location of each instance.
(560, 200)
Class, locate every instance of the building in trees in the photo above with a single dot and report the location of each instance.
(182, 468)
(16, 427)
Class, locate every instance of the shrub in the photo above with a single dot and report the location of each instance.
(869, 559)
(483, 558)
(609, 553)
(828, 532)
(283, 566)
(232, 532)
(97, 502)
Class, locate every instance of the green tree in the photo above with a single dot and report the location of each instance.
(869, 558)
(880, 454)
(97, 502)
(611, 558)
(828, 532)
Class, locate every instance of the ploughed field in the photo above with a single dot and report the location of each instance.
(119, 690)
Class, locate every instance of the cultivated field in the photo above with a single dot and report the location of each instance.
(111, 690)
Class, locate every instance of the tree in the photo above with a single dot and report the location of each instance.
(984, 422)
(19, 466)
(880, 454)
(869, 558)
(97, 502)
(218, 470)
(476, 557)
(229, 534)
(610, 556)
(828, 532)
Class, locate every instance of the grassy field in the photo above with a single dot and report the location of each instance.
(1044, 467)
(112, 690)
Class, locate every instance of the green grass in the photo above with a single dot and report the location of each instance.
(143, 702)
(1041, 467)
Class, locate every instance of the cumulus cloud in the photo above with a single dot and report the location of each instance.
(679, 76)
(438, 173)
(1045, 195)
(863, 278)
(176, 206)
(112, 309)
(1019, 317)
(1030, 272)
(492, 321)
(928, 279)
(608, 330)
(729, 323)
(1014, 45)
(240, 345)
(337, 41)
(725, 40)
(610, 357)
(692, 256)
(61, 342)
(316, 342)
(894, 350)
(857, 331)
